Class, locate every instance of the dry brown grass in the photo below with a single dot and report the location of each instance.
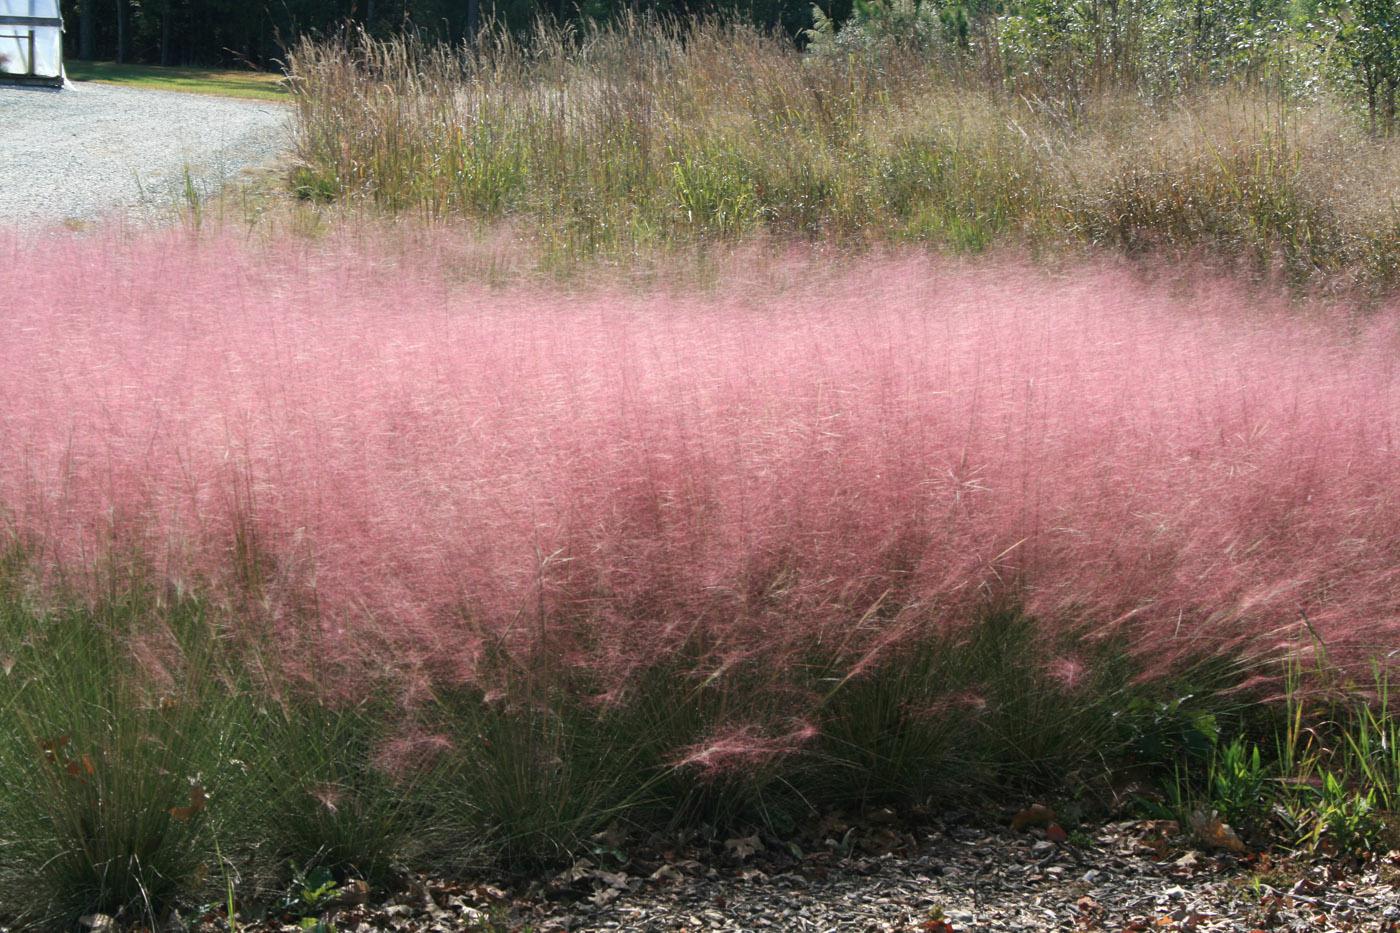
(636, 137)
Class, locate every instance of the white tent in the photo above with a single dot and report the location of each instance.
(31, 41)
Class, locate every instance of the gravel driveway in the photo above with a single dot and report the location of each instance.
(92, 149)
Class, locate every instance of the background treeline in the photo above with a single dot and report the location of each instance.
(1084, 44)
(206, 32)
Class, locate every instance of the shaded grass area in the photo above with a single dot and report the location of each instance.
(142, 778)
(251, 85)
(154, 759)
(637, 136)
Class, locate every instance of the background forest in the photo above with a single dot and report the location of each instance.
(188, 32)
(1154, 45)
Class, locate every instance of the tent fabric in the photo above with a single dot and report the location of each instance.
(16, 41)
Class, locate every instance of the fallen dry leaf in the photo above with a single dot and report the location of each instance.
(198, 799)
(355, 891)
(667, 873)
(51, 747)
(882, 815)
(1214, 833)
(742, 847)
(1037, 814)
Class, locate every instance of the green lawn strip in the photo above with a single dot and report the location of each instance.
(251, 85)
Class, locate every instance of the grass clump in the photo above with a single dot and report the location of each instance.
(207, 781)
(117, 762)
(344, 567)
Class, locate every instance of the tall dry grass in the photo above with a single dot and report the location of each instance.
(637, 135)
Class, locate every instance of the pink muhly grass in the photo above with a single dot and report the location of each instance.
(961, 704)
(738, 749)
(1068, 672)
(413, 473)
(411, 752)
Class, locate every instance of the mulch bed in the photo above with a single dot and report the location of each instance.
(888, 872)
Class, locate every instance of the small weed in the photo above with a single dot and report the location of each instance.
(311, 185)
(1240, 783)
(1079, 839)
(194, 202)
(314, 889)
(1337, 818)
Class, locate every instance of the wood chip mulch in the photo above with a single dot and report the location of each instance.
(882, 874)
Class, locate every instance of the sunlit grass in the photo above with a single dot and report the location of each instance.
(250, 85)
(637, 135)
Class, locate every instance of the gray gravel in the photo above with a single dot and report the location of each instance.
(90, 149)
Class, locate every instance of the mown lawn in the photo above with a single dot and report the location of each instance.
(252, 85)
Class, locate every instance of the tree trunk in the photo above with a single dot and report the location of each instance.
(473, 15)
(1391, 87)
(121, 31)
(87, 31)
(165, 37)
